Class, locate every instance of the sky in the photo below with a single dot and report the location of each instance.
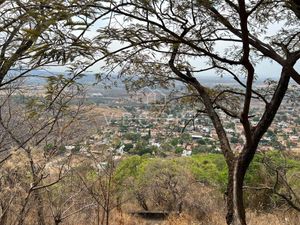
(264, 69)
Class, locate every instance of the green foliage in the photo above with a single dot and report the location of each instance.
(234, 140)
(178, 150)
(205, 149)
(57, 83)
(156, 182)
(185, 138)
(174, 141)
(76, 149)
(61, 149)
(132, 136)
(262, 173)
(211, 169)
(201, 141)
(34, 106)
(129, 168)
(167, 147)
(92, 175)
(142, 148)
(206, 168)
(49, 147)
(127, 147)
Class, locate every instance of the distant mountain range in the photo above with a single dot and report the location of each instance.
(90, 79)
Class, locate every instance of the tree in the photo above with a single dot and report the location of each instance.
(158, 184)
(281, 178)
(67, 198)
(101, 185)
(39, 33)
(27, 127)
(170, 40)
(165, 184)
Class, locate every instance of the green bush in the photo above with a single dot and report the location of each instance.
(211, 169)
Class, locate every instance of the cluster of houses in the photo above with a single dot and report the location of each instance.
(159, 129)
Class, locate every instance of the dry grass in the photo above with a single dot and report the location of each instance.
(215, 218)
(276, 218)
(210, 211)
(100, 111)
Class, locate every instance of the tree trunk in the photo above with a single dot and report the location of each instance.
(98, 214)
(57, 221)
(103, 217)
(241, 166)
(235, 205)
(24, 210)
(141, 201)
(40, 208)
(239, 214)
(229, 195)
(107, 216)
